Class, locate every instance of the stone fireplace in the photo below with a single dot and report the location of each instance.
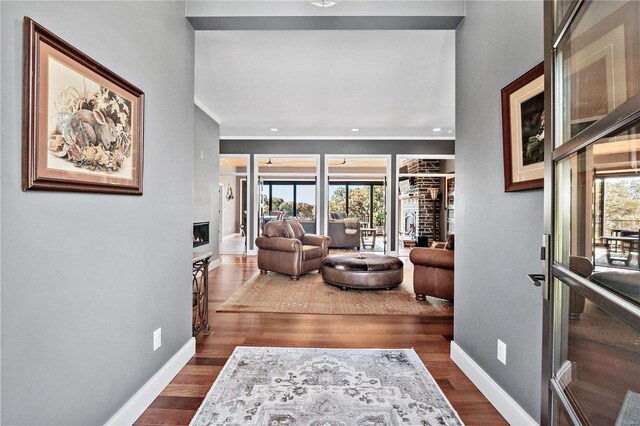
(417, 208)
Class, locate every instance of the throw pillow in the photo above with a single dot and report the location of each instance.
(271, 230)
(287, 230)
(298, 230)
(278, 228)
(449, 245)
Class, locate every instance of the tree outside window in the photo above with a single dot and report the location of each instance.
(361, 201)
(337, 198)
(622, 203)
(294, 199)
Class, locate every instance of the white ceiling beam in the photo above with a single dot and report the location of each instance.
(347, 15)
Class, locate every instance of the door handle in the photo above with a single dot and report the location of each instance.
(536, 279)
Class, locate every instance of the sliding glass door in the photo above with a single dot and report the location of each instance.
(288, 189)
(356, 191)
(290, 199)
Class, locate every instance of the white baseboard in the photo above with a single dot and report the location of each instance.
(253, 252)
(142, 399)
(506, 406)
(214, 264)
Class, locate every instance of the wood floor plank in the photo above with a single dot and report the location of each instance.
(429, 337)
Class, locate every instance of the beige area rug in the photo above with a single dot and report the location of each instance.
(311, 295)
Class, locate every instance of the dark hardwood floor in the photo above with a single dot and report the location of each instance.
(430, 338)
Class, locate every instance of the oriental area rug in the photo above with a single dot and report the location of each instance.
(336, 387)
(311, 295)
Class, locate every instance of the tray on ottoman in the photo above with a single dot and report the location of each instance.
(362, 271)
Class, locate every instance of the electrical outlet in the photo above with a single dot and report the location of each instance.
(502, 352)
(157, 339)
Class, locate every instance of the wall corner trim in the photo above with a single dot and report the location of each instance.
(214, 264)
(206, 109)
(513, 413)
(142, 399)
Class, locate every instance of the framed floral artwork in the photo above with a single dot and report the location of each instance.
(82, 123)
(523, 131)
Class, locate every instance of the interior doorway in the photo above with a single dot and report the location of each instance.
(358, 202)
(234, 203)
(287, 189)
(425, 206)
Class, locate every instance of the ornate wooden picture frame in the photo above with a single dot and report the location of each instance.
(523, 131)
(82, 123)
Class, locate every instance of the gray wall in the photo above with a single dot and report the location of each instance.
(205, 185)
(87, 278)
(498, 233)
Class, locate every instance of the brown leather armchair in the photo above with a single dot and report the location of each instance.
(284, 247)
(433, 271)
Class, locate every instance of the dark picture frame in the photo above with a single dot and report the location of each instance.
(82, 124)
(523, 131)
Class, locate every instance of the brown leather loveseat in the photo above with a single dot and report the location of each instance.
(433, 270)
(284, 247)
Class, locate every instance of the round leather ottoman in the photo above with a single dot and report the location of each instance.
(362, 271)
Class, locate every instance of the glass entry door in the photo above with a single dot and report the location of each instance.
(591, 359)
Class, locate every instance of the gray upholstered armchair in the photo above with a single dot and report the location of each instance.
(284, 247)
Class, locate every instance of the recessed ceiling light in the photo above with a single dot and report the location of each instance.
(324, 3)
(274, 129)
(450, 131)
(355, 130)
(437, 129)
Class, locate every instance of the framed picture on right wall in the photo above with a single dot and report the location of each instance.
(523, 131)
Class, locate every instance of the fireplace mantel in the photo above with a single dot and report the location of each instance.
(408, 196)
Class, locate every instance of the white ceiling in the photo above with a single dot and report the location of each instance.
(315, 84)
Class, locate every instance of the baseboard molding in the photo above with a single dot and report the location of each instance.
(139, 402)
(253, 252)
(506, 406)
(214, 264)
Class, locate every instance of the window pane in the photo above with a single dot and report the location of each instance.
(306, 202)
(282, 199)
(378, 205)
(599, 64)
(598, 361)
(264, 196)
(598, 212)
(337, 198)
(560, 419)
(359, 207)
